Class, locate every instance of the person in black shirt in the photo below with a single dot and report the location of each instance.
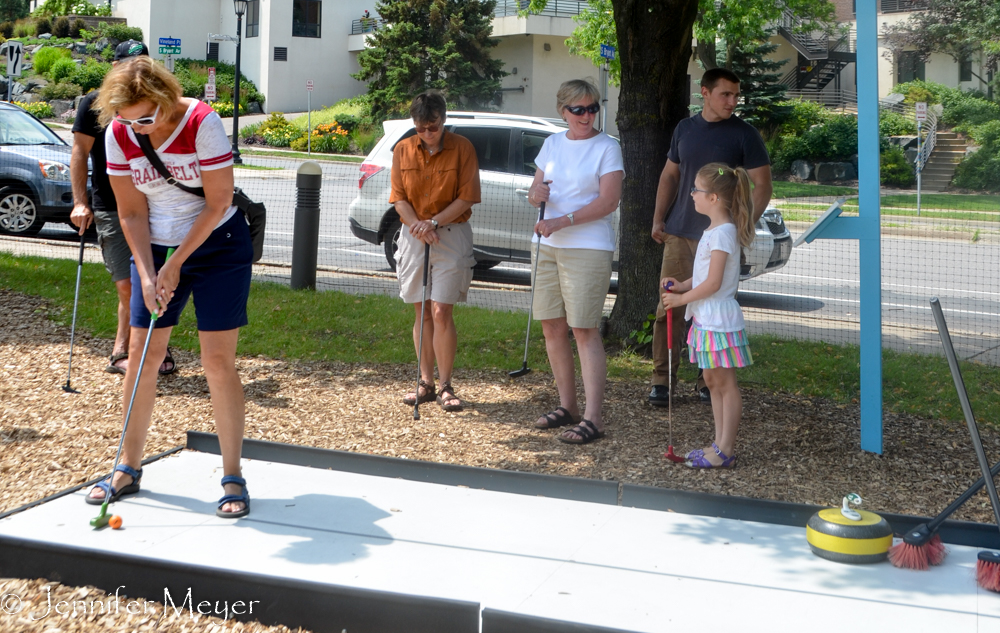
(712, 136)
(88, 139)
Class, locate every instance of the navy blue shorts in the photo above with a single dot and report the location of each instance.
(218, 273)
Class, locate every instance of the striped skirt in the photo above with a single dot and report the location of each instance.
(718, 349)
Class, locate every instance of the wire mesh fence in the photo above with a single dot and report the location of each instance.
(948, 247)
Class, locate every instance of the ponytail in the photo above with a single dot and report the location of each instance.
(735, 188)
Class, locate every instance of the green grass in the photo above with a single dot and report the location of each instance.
(303, 155)
(248, 166)
(945, 202)
(375, 329)
(784, 189)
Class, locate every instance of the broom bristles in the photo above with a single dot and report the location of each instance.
(906, 556)
(936, 551)
(988, 575)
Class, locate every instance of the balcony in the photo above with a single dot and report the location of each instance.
(902, 6)
(554, 8)
(366, 25)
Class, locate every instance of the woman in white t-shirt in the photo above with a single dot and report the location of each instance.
(211, 260)
(579, 179)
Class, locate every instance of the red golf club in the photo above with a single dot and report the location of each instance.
(670, 384)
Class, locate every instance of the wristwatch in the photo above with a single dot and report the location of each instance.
(571, 220)
(434, 223)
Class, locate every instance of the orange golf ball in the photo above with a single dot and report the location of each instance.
(115, 521)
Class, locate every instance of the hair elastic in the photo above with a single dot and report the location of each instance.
(722, 171)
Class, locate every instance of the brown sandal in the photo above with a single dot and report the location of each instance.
(448, 393)
(410, 399)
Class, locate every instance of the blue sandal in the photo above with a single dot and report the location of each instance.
(245, 498)
(699, 461)
(110, 493)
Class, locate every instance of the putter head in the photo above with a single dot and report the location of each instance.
(101, 520)
(517, 373)
(69, 389)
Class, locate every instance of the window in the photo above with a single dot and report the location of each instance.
(212, 51)
(253, 18)
(281, 53)
(911, 66)
(965, 70)
(531, 144)
(492, 146)
(306, 18)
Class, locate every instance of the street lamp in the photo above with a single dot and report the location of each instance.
(241, 8)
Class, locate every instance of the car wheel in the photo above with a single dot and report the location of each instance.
(391, 244)
(18, 213)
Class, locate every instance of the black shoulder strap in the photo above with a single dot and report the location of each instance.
(154, 158)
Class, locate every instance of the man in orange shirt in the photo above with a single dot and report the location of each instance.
(435, 182)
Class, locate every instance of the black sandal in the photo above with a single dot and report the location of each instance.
(410, 399)
(115, 369)
(587, 432)
(168, 360)
(554, 419)
(448, 393)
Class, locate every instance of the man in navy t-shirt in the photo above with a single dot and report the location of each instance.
(713, 135)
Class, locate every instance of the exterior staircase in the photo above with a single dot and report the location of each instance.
(940, 168)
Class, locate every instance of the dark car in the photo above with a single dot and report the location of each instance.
(35, 185)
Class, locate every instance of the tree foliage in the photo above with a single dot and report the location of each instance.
(431, 44)
(760, 83)
(958, 28)
(11, 10)
(597, 26)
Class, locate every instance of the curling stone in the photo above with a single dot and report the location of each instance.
(846, 535)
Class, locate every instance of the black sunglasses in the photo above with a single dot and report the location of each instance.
(593, 108)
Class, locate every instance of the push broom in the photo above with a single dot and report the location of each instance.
(988, 563)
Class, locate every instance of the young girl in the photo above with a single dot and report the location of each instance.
(716, 340)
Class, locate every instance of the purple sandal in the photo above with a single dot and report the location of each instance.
(699, 461)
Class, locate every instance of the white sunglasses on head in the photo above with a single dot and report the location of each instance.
(145, 120)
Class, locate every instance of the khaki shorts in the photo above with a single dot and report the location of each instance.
(572, 283)
(117, 255)
(450, 274)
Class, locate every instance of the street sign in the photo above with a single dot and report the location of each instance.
(170, 41)
(309, 85)
(607, 51)
(210, 92)
(211, 76)
(15, 57)
(170, 50)
(921, 108)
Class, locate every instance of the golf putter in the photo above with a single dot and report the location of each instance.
(101, 520)
(72, 332)
(670, 385)
(420, 339)
(517, 373)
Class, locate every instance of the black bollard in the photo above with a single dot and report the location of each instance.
(305, 240)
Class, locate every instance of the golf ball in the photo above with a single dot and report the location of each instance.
(115, 521)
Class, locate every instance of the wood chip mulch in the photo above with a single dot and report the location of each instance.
(791, 448)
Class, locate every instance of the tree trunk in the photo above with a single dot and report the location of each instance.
(654, 41)
(707, 54)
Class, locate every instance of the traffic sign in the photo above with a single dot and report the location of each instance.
(309, 85)
(170, 41)
(170, 50)
(921, 109)
(15, 57)
(210, 92)
(211, 76)
(607, 51)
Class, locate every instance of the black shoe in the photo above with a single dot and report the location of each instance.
(659, 396)
(704, 395)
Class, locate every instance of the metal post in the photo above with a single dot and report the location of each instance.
(305, 239)
(309, 125)
(604, 98)
(920, 163)
(236, 92)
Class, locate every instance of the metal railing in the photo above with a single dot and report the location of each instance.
(835, 99)
(366, 25)
(810, 47)
(554, 8)
(902, 6)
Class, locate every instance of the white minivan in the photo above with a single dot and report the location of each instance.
(506, 146)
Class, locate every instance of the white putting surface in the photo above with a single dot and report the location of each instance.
(625, 568)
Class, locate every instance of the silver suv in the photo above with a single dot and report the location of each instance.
(506, 146)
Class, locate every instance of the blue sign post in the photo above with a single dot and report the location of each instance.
(170, 41)
(607, 51)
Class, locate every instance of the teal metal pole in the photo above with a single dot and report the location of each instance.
(869, 244)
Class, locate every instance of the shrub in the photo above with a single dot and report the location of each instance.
(277, 131)
(348, 122)
(60, 28)
(894, 124)
(803, 115)
(61, 91)
(365, 140)
(40, 109)
(896, 170)
(79, 26)
(24, 29)
(329, 138)
(120, 32)
(62, 69)
(91, 74)
(7, 29)
(108, 54)
(193, 72)
(44, 59)
(225, 108)
(82, 7)
(42, 25)
(836, 139)
(249, 131)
